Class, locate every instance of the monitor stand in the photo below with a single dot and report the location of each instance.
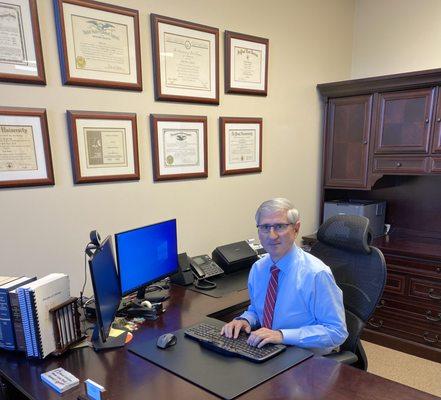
(157, 296)
(110, 343)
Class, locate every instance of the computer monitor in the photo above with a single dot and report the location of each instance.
(107, 294)
(146, 255)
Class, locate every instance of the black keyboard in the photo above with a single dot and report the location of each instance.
(209, 336)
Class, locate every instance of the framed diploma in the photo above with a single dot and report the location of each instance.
(98, 44)
(104, 146)
(246, 64)
(185, 60)
(241, 145)
(179, 147)
(21, 58)
(25, 153)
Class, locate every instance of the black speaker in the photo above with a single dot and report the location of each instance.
(184, 276)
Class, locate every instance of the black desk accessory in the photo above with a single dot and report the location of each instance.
(235, 256)
(226, 377)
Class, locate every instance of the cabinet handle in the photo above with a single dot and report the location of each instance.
(427, 120)
(433, 296)
(433, 319)
(364, 141)
(428, 339)
(398, 164)
(438, 269)
(438, 119)
(379, 325)
(381, 304)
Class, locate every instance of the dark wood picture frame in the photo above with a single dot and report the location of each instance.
(78, 160)
(44, 141)
(40, 77)
(225, 169)
(160, 94)
(236, 89)
(67, 76)
(155, 119)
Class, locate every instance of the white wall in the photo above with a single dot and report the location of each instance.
(45, 229)
(394, 36)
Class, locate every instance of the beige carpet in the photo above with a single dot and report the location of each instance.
(409, 370)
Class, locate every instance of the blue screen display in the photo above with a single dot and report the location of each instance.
(105, 284)
(146, 255)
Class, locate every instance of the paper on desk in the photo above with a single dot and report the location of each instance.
(115, 332)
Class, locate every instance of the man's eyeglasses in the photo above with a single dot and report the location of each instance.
(278, 228)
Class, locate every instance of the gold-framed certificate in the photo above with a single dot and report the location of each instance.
(185, 60)
(104, 146)
(241, 145)
(246, 64)
(179, 146)
(21, 58)
(25, 154)
(98, 44)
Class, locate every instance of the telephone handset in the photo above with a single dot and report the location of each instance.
(204, 267)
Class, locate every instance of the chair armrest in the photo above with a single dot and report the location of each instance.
(344, 357)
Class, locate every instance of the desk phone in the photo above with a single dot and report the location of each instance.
(204, 267)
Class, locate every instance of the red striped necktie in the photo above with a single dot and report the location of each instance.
(270, 299)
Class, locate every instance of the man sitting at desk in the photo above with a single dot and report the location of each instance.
(294, 297)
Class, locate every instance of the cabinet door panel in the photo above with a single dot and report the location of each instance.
(347, 141)
(404, 122)
(436, 146)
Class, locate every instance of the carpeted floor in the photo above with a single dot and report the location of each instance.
(416, 372)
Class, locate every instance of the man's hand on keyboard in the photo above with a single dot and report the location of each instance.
(263, 336)
(233, 328)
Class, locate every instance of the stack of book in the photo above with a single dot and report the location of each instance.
(35, 299)
(11, 329)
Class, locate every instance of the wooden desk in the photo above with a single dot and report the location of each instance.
(127, 376)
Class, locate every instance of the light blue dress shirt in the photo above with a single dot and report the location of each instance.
(309, 308)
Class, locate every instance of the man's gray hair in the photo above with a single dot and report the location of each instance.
(278, 204)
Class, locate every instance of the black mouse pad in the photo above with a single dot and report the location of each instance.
(224, 376)
(225, 284)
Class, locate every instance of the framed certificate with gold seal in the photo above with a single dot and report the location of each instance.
(98, 44)
(179, 146)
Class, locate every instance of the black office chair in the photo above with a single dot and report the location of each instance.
(359, 270)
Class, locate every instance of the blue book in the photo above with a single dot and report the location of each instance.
(7, 331)
(25, 320)
(30, 308)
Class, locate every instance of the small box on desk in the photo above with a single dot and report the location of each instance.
(234, 256)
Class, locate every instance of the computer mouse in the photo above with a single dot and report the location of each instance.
(166, 340)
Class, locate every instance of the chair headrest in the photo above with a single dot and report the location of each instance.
(350, 232)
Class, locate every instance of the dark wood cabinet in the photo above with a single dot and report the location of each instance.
(382, 141)
(348, 126)
(387, 125)
(404, 122)
(409, 314)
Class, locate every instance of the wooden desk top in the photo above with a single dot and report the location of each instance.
(127, 376)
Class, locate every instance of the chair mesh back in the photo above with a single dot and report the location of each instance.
(358, 269)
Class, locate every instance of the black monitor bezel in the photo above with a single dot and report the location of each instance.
(99, 319)
(137, 288)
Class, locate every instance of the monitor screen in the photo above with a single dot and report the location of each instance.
(106, 287)
(146, 255)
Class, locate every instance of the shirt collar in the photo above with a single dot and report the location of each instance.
(289, 259)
